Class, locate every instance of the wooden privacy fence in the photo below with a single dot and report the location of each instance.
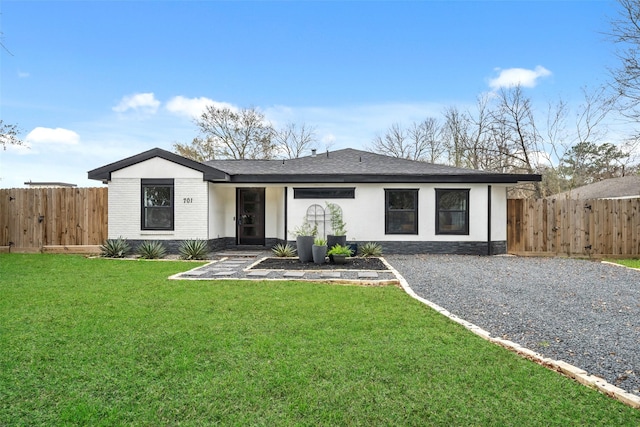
(593, 227)
(33, 218)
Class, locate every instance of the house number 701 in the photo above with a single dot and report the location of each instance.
(188, 200)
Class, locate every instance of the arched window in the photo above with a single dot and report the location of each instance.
(316, 217)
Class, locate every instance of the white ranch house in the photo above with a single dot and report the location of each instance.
(406, 206)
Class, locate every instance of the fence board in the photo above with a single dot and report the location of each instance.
(32, 218)
(574, 227)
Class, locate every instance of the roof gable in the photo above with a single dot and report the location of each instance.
(209, 173)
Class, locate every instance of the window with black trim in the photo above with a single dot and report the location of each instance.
(324, 193)
(157, 204)
(401, 211)
(452, 211)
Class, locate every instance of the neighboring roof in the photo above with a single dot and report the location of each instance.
(350, 165)
(613, 188)
(104, 173)
(347, 166)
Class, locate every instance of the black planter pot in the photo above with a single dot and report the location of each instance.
(304, 246)
(336, 240)
(319, 254)
(339, 259)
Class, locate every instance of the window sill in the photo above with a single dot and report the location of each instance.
(157, 232)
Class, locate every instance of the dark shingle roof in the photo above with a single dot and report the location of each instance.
(347, 165)
(350, 165)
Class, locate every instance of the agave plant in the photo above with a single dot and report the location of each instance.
(194, 249)
(284, 250)
(115, 248)
(153, 249)
(370, 249)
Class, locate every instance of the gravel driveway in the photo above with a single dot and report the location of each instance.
(583, 312)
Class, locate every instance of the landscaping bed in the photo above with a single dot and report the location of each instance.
(354, 263)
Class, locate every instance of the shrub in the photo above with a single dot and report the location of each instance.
(193, 249)
(115, 248)
(284, 250)
(151, 249)
(370, 249)
(340, 250)
(320, 242)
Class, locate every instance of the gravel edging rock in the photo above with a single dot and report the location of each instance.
(582, 312)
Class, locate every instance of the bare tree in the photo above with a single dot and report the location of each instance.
(426, 142)
(625, 32)
(226, 133)
(392, 143)
(455, 133)
(293, 140)
(420, 141)
(519, 139)
(199, 150)
(9, 135)
(469, 137)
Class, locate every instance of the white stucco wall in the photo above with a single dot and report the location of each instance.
(365, 215)
(191, 210)
(499, 212)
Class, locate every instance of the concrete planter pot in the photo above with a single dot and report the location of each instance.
(304, 246)
(319, 253)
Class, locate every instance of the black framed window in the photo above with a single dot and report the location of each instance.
(324, 193)
(452, 211)
(401, 211)
(157, 204)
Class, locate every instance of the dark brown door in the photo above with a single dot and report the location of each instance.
(250, 216)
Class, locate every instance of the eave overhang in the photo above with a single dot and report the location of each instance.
(380, 179)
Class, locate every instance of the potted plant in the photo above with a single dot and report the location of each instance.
(338, 226)
(319, 250)
(305, 235)
(338, 254)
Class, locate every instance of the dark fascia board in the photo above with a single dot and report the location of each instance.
(481, 178)
(210, 174)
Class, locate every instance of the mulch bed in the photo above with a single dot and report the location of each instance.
(355, 263)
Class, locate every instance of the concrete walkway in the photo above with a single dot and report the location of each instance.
(245, 265)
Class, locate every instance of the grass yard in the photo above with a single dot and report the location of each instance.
(105, 342)
(633, 263)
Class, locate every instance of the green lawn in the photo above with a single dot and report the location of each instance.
(633, 263)
(107, 342)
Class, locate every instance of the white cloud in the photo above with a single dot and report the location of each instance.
(194, 107)
(57, 136)
(518, 76)
(140, 102)
(23, 74)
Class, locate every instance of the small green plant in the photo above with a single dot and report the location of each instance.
(370, 249)
(340, 250)
(193, 249)
(320, 242)
(337, 223)
(306, 229)
(151, 249)
(115, 248)
(283, 250)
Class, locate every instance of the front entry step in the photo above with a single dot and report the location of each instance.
(239, 254)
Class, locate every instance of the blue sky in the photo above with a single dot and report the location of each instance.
(92, 82)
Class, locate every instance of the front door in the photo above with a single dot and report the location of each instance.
(250, 216)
